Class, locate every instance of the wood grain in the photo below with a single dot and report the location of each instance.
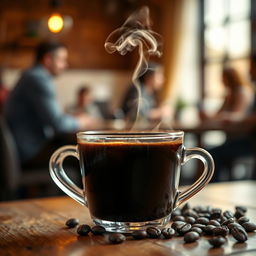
(37, 227)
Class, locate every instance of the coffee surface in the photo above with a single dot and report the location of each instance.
(130, 182)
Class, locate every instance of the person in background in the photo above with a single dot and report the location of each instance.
(4, 92)
(85, 104)
(236, 111)
(239, 97)
(151, 82)
(33, 114)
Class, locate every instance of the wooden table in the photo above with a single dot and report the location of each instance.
(36, 227)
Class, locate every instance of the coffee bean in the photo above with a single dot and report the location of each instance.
(242, 220)
(98, 230)
(216, 213)
(220, 231)
(177, 224)
(227, 222)
(234, 225)
(83, 230)
(191, 213)
(190, 220)
(168, 232)
(228, 214)
(204, 215)
(179, 218)
(199, 226)
(191, 237)
(209, 229)
(198, 209)
(184, 228)
(116, 238)
(185, 207)
(214, 223)
(222, 219)
(197, 230)
(241, 208)
(217, 241)
(249, 226)
(239, 213)
(153, 232)
(71, 223)
(239, 234)
(139, 234)
(176, 212)
(202, 220)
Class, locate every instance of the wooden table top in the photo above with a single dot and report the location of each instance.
(37, 227)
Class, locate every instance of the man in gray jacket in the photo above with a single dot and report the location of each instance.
(32, 111)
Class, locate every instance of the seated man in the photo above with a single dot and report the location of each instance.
(34, 116)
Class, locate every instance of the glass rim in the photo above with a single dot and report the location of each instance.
(130, 134)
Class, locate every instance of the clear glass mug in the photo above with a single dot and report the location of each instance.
(130, 179)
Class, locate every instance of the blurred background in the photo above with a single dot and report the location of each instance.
(199, 37)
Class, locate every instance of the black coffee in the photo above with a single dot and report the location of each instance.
(130, 182)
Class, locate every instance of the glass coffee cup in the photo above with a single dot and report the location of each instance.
(130, 179)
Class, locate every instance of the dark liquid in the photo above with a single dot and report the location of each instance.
(130, 182)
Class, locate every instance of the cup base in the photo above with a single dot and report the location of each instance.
(129, 227)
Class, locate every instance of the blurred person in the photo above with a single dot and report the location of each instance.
(33, 114)
(85, 104)
(151, 82)
(238, 100)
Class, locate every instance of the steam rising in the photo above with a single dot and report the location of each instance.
(135, 32)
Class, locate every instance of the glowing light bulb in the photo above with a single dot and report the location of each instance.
(55, 23)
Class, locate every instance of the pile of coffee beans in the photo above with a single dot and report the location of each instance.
(189, 223)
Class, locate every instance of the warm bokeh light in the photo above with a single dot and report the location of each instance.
(55, 23)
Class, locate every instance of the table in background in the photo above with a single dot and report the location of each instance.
(36, 227)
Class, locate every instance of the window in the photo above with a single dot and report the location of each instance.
(225, 39)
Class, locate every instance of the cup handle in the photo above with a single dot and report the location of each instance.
(60, 177)
(206, 176)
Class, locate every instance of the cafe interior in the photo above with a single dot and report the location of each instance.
(195, 42)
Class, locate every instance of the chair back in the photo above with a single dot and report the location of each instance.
(9, 162)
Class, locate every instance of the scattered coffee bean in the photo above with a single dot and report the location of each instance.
(71, 223)
(139, 234)
(83, 230)
(116, 238)
(199, 226)
(217, 241)
(191, 213)
(202, 220)
(177, 224)
(239, 213)
(184, 228)
(241, 208)
(179, 218)
(176, 212)
(220, 231)
(198, 209)
(239, 234)
(249, 226)
(216, 213)
(234, 225)
(209, 229)
(242, 220)
(191, 237)
(228, 214)
(185, 207)
(98, 230)
(168, 232)
(197, 230)
(214, 223)
(204, 215)
(227, 222)
(153, 232)
(190, 220)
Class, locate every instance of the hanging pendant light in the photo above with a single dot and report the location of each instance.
(55, 23)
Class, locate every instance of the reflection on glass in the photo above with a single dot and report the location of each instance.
(215, 11)
(215, 42)
(239, 8)
(239, 39)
